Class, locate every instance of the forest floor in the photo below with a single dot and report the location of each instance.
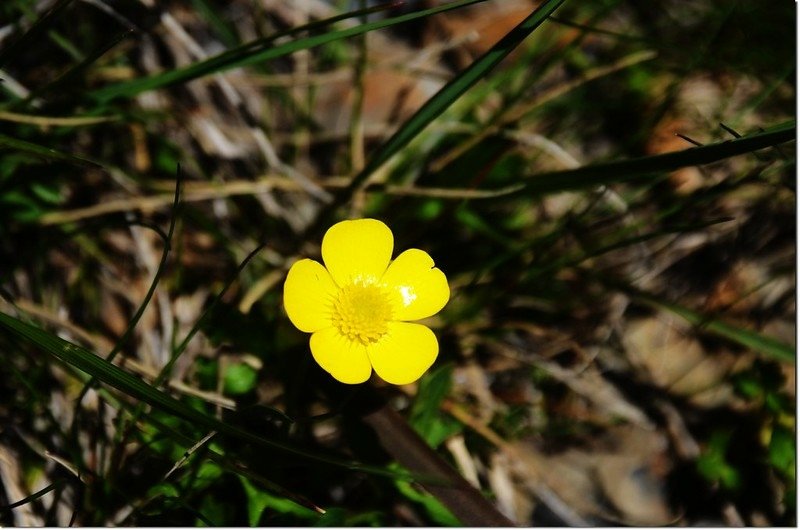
(613, 204)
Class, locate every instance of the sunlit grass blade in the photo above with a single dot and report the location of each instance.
(650, 167)
(56, 121)
(260, 51)
(102, 370)
(46, 153)
(744, 337)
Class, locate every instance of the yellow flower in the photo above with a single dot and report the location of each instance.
(360, 305)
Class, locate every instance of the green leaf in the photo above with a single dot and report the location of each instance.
(260, 500)
(46, 194)
(782, 451)
(713, 465)
(426, 416)
(240, 379)
(437, 511)
(163, 489)
(208, 473)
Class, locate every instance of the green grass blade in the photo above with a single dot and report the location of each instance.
(180, 437)
(440, 102)
(145, 302)
(7, 142)
(745, 337)
(102, 370)
(224, 461)
(260, 51)
(443, 99)
(650, 167)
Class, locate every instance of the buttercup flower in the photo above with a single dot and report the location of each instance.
(360, 306)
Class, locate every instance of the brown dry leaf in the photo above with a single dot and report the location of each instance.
(699, 100)
(389, 97)
(632, 477)
(738, 291)
(488, 22)
(665, 139)
(591, 385)
(562, 475)
(626, 472)
(663, 348)
(471, 380)
(112, 313)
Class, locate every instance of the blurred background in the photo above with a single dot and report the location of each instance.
(619, 347)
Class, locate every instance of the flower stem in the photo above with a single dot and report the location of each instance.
(411, 451)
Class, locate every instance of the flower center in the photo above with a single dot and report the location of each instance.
(361, 312)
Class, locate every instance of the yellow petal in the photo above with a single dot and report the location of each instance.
(418, 289)
(308, 295)
(344, 359)
(357, 250)
(404, 353)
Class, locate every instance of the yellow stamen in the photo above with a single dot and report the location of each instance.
(361, 312)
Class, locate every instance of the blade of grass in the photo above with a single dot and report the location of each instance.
(440, 102)
(744, 337)
(56, 121)
(263, 50)
(514, 113)
(443, 99)
(650, 167)
(102, 370)
(33, 496)
(7, 142)
(573, 261)
(167, 239)
(225, 461)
